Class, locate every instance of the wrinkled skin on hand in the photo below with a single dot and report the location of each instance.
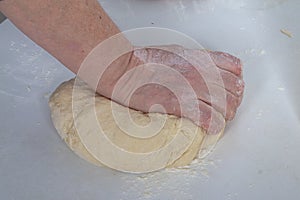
(215, 78)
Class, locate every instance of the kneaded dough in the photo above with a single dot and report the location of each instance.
(73, 107)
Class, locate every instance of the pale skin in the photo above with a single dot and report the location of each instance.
(70, 29)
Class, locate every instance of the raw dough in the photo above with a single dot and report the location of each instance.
(77, 112)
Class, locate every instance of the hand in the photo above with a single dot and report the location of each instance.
(211, 75)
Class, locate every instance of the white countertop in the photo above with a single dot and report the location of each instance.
(258, 158)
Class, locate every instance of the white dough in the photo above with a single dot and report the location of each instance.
(101, 132)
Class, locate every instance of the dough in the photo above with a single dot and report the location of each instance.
(101, 132)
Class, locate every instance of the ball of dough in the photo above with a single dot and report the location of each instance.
(106, 133)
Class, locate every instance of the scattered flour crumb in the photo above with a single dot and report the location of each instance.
(281, 88)
(173, 182)
(286, 32)
(47, 95)
(28, 87)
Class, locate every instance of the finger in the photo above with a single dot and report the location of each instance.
(232, 83)
(227, 62)
(211, 121)
(220, 99)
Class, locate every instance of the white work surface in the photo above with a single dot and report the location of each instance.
(258, 158)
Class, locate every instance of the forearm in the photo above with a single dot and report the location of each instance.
(67, 29)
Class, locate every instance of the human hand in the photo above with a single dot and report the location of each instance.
(152, 78)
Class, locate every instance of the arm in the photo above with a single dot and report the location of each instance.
(70, 29)
(67, 29)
